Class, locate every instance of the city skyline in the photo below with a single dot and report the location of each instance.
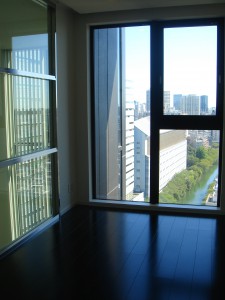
(200, 107)
(194, 67)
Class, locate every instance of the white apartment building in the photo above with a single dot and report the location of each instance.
(190, 105)
(129, 138)
(142, 156)
(173, 155)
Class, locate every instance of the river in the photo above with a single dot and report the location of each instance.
(199, 192)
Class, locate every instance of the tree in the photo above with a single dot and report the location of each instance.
(192, 161)
(201, 152)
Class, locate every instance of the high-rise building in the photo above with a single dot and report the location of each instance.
(142, 156)
(190, 105)
(136, 110)
(166, 102)
(107, 116)
(114, 119)
(139, 110)
(148, 102)
(177, 98)
(129, 159)
(203, 104)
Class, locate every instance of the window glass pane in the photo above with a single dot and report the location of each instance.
(121, 76)
(137, 83)
(190, 60)
(107, 114)
(189, 167)
(26, 197)
(24, 36)
(24, 116)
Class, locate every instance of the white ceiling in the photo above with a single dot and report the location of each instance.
(93, 6)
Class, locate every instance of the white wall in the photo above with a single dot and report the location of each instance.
(74, 89)
(66, 109)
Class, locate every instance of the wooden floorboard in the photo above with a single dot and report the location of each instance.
(103, 254)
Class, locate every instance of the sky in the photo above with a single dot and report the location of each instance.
(189, 61)
(137, 49)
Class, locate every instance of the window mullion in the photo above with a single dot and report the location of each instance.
(156, 84)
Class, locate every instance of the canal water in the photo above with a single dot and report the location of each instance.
(196, 196)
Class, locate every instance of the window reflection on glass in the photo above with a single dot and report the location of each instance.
(24, 40)
(26, 125)
(189, 167)
(30, 53)
(190, 62)
(26, 107)
(26, 195)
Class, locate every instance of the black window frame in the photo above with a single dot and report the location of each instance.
(161, 121)
(158, 119)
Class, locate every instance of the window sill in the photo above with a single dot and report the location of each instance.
(160, 208)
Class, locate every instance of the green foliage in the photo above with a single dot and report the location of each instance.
(209, 191)
(213, 155)
(215, 145)
(197, 172)
(191, 151)
(201, 152)
(198, 162)
(204, 164)
(192, 161)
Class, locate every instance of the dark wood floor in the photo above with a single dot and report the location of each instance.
(95, 253)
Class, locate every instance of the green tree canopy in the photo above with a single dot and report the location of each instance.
(201, 152)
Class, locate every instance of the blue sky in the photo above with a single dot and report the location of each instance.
(189, 60)
(137, 45)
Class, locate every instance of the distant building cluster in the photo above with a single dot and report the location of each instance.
(190, 104)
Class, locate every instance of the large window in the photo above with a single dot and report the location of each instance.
(28, 171)
(157, 112)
